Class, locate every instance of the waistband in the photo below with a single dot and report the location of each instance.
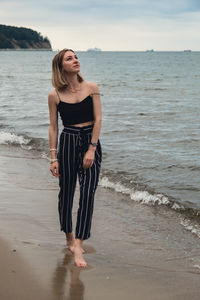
(78, 130)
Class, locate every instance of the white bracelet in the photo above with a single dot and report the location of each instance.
(53, 160)
(52, 149)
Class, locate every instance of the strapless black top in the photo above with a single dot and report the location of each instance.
(75, 113)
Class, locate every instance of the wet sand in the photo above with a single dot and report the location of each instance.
(17, 279)
(135, 251)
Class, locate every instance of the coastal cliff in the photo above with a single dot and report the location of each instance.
(12, 37)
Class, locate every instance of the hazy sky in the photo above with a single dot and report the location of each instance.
(109, 24)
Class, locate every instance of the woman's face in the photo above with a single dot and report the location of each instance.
(70, 62)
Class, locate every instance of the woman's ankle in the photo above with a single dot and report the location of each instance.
(69, 236)
(78, 242)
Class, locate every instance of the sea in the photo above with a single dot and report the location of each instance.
(150, 132)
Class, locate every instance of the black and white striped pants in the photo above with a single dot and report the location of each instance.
(73, 143)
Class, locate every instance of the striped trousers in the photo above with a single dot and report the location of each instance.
(73, 144)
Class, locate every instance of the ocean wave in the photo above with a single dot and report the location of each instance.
(187, 167)
(155, 89)
(44, 124)
(24, 141)
(143, 197)
(150, 198)
(187, 141)
(191, 226)
(190, 218)
(196, 266)
(12, 138)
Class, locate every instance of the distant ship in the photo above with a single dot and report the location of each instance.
(94, 50)
(151, 50)
(187, 50)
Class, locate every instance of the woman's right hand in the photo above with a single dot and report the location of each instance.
(54, 168)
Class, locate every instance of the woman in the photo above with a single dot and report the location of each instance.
(79, 152)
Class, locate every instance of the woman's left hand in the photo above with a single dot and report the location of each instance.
(88, 159)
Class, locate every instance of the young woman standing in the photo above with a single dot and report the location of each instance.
(79, 152)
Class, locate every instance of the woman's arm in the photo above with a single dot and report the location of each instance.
(53, 131)
(97, 114)
(89, 156)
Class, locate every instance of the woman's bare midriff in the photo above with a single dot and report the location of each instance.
(83, 124)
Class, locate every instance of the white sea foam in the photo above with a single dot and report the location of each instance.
(12, 138)
(177, 206)
(145, 197)
(118, 187)
(140, 196)
(197, 266)
(188, 225)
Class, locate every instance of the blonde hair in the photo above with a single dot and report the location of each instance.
(58, 79)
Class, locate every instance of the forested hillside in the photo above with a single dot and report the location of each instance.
(12, 37)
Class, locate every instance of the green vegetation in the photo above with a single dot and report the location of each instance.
(12, 37)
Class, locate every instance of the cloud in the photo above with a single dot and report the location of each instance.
(111, 25)
(76, 11)
(132, 35)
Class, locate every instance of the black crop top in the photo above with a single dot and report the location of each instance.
(75, 113)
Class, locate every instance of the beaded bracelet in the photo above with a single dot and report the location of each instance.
(53, 160)
(52, 149)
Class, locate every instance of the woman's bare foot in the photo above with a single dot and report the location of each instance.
(70, 242)
(78, 257)
(78, 254)
(82, 250)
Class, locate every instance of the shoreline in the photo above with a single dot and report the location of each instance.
(182, 201)
(133, 250)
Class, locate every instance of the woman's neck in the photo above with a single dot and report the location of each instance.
(73, 83)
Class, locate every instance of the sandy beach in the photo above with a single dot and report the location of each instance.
(135, 251)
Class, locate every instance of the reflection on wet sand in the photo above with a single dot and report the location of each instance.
(60, 281)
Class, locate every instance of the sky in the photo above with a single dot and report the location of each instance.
(112, 25)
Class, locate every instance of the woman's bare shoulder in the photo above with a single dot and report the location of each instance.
(52, 93)
(53, 97)
(93, 87)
